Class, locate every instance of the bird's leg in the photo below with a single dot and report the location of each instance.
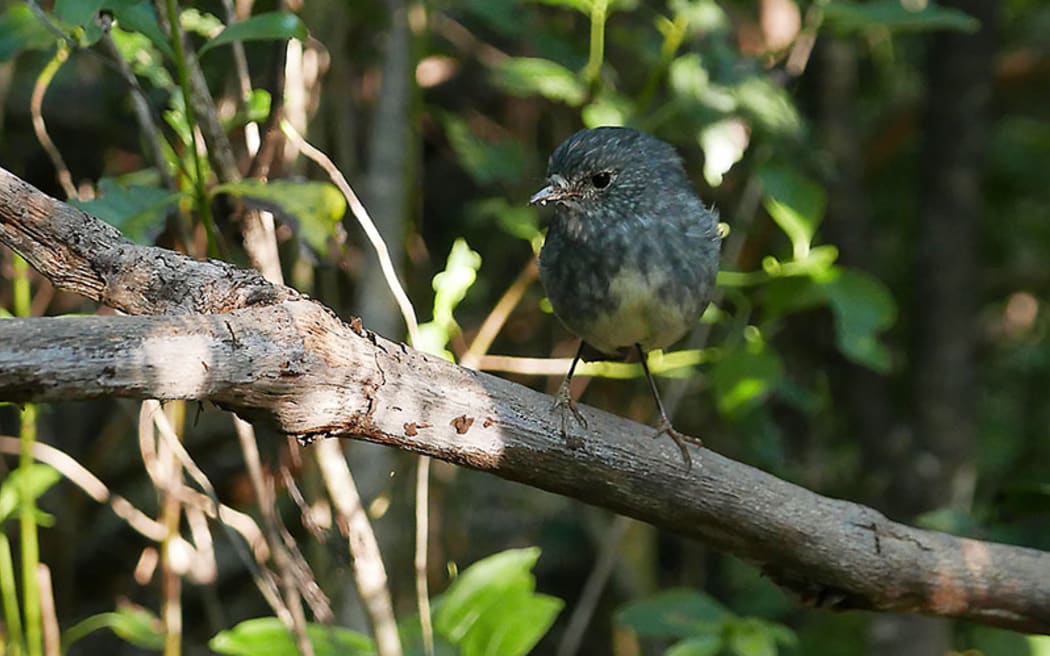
(563, 401)
(665, 427)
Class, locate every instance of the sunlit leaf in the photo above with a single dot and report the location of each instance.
(674, 613)
(479, 612)
(450, 287)
(261, 27)
(749, 637)
(845, 16)
(724, 144)
(768, 104)
(795, 202)
(267, 636)
(137, 211)
(313, 208)
(530, 76)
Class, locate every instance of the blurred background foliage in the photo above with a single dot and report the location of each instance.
(879, 334)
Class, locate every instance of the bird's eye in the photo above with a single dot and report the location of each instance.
(601, 179)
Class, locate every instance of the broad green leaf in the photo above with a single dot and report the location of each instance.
(486, 161)
(31, 481)
(530, 76)
(749, 637)
(768, 104)
(744, 377)
(863, 308)
(688, 76)
(708, 645)
(482, 587)
(267, 636)
(77, 12)
(845, 16)
(513, 626)
(261, 27)
(1038, 645)
(137, 211)
(703, 16)
(139, 16)
(607, 109)
(313, 208)
(675, 613)
(133, 624)
(795, 202)
(21, 30)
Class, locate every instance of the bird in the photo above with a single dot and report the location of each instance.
(631, 254)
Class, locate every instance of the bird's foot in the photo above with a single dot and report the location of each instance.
(680, 439)
(566, 407)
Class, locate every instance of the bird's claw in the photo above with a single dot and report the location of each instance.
(680, 439)
(565, 406)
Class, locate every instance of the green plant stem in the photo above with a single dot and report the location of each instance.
(12, 616)
(26, 503)
(599, 13)
(199, 188)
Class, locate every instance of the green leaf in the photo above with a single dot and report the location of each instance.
(486, 162)
(31, 481)
(749, 637)
(77, 12)
(313, 208)
(491, 608)
(267, 636)
(768, 104)
(530, 76)
(795, 202)
(513, 626)
(133, 624)
(21, 30)
(674, 613)
(261, 27)
(138, 16)
(709, 645)
(847, 17)
(863, 308)
(450, 287)
(744, 377)
(138, 211)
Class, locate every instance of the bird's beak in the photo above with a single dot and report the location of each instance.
(548, 194)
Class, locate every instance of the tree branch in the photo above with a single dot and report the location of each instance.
(270, 354)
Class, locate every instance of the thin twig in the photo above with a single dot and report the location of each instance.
(494, 322)
(422, 527)
(48, 617)
(36, 102)
(361, 214)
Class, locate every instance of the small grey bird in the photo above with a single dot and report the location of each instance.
(631, 254)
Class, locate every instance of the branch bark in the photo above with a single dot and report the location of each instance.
(267, 353)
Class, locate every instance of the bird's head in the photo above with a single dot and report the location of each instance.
(608, 169)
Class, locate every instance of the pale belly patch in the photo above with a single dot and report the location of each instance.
(637, 315)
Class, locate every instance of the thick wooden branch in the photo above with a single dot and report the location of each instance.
(278, 357)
